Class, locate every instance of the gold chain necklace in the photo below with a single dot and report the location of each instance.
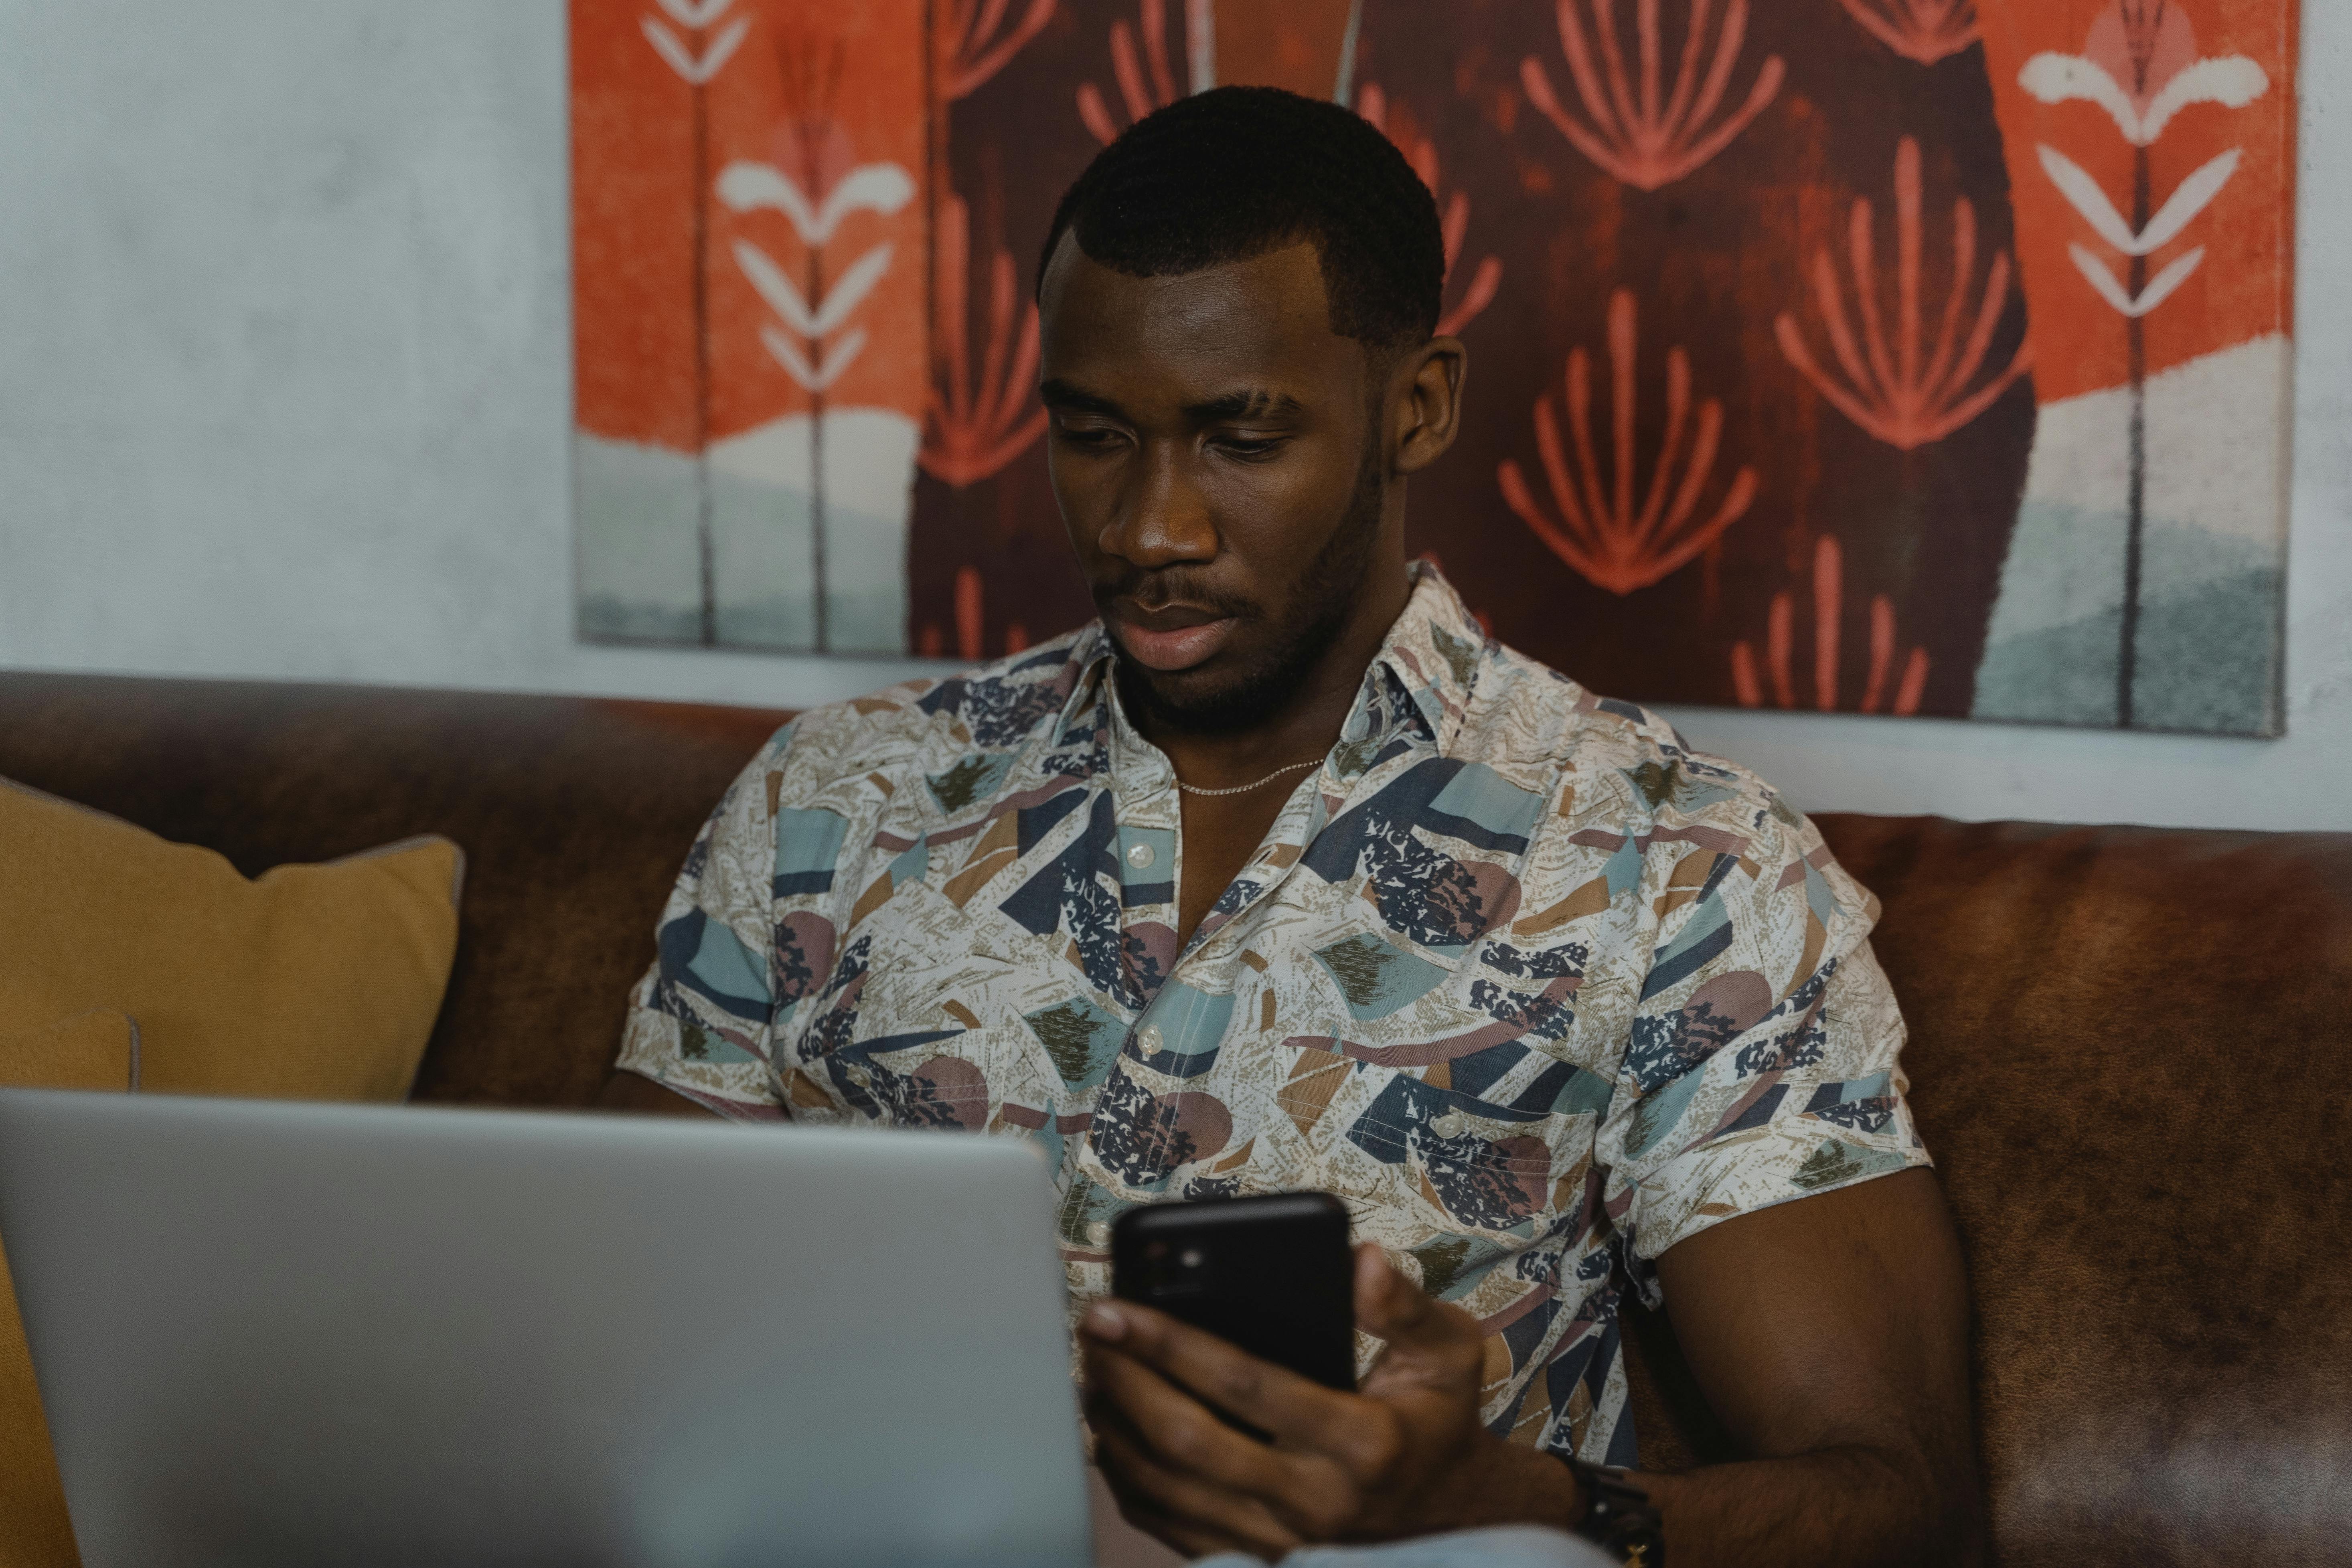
(1245, 789)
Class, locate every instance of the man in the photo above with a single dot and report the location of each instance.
(1282, 876)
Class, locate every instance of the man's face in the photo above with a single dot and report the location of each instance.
(1213, 449)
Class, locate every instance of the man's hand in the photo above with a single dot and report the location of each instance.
(1831, 1335)
(1404, 1456)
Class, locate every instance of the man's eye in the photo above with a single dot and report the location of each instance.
(1249, 448)
(1092, 436)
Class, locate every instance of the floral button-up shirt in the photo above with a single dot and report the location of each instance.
(1535, 989)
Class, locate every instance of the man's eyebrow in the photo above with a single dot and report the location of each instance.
(1250, 403)
(1061, 394)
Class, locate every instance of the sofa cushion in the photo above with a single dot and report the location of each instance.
(312, 982)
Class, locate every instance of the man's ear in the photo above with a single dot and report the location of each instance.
(1425, 401)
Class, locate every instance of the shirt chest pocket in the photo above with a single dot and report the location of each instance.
(1460, 1097)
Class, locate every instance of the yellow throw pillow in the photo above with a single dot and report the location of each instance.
(95, 1050)
(310, 983)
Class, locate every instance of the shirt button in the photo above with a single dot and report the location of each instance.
(1099, 1233)
(1150, 1038)
(1452, 1124)
(1139, 856)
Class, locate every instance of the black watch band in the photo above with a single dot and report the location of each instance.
(1618, 1515)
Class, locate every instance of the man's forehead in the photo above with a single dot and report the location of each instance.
(1264, 318)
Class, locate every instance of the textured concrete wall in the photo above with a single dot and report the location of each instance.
(285, 392)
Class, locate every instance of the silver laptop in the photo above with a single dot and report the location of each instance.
(274, 1334)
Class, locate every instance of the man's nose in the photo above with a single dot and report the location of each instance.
(1162, 518)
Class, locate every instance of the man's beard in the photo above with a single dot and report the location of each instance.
(1326, 595)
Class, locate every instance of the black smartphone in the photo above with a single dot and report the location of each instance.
(1271, 1275)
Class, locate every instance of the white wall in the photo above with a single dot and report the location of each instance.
(285, 391)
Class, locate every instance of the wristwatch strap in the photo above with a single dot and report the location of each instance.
(1619, 1517)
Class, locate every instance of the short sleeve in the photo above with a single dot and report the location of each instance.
(1763, 1061)
(702, 1020)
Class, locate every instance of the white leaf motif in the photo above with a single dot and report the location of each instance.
(2084, 195)
(776, 289)
(2087, 197)
(683, 62)
(2188, 199)
(871, 188)
(850, 290)
(2054, 79)
(2231, 80)
(815, 377)
(2160, 288)
(688, 13)
(744, 187)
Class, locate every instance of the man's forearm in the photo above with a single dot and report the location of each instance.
(1838, 1507)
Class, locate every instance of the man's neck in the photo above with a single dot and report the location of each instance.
(1307, 724)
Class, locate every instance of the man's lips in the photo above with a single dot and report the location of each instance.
(1173, 638)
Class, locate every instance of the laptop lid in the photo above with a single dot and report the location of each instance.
(283, 1333)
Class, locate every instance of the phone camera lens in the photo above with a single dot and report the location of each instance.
(1190, 1258)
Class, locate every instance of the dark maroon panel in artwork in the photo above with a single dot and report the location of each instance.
(1657, 206)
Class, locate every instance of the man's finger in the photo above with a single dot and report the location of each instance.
(1273, 1399)
(1178, 1430)
(1193, 1515)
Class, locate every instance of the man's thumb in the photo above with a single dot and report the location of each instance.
(1390, 1307)
(1428, 1345)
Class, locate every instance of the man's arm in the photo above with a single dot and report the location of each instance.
(626, 1090)
(1830, 1334)
(701, 1015)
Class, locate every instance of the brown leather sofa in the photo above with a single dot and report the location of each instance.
(2131, 1054)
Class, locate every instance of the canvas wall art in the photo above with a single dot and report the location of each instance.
(1887, 356)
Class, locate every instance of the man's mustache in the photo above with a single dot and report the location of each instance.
(1158, 590)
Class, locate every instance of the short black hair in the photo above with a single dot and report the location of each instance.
(1236, 172)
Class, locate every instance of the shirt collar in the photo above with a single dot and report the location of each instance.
(1431, 653)
(1430, 658)
(1090, 658)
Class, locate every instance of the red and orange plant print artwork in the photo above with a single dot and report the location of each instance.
(1900, 357)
